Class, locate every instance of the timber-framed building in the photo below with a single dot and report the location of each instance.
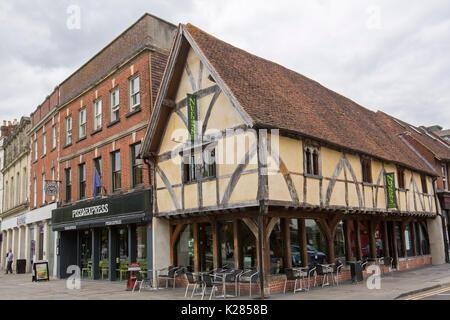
(326, 175)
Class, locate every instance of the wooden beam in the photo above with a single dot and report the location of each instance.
(215, 244)
(386, 240)
(348, 240)
(413, 236)
(394, 242)
(196, 249)
(237, 244)
(402, 237)
(270, 226)
(252, 225)
(287, 243)
(358, 239)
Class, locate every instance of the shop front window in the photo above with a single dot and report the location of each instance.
(248, 248)
(104, 245)
(185, 248)
(226, 243)
(316, 243)
(296, 244)
(276, 249)
(398, 237)
(379, 241)
(205, 238)
(408, 242)
(141, 240)
(123, 244)
(424, 240)
(85, 248)
(365, 239)
(339, 242)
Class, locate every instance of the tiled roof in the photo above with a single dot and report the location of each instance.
(274, 96)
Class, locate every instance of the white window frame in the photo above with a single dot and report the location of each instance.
(134, 93)
(35, 150)
(444, 176)
(44, 143)
(82, 123)
(115, 107)
(98, 105)
(68, 130)
(43, 189)
(54, 136)
(34, 193)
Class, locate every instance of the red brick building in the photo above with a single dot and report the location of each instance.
(94, 121)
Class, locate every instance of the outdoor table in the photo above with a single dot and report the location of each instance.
(223, 275)
(301, 271)
(327, 269)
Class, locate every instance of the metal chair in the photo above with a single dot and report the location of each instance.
(324, 271)
(233, 278)
(87, 269)
(208, 282)
(337, 270)
(171, 275)
(312, 269)
(192, 282)
(291, 276)
(247, 277)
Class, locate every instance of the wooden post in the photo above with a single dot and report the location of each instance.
(237, 244)
(348, 241)
(287, 243)
(304, 243)
(386, 240)
(358, 239)
(373, 248)
(419, 237)
(172, 246)
(196, 248)
(413, 236)
(394, 242)
(216, 247)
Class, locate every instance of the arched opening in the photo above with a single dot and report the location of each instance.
(248, 248)
(276, 241)
(339, 242)
(424, 240)
(226, 244)
(184, 248)
(316, 243)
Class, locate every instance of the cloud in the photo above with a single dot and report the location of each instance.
(384, 55)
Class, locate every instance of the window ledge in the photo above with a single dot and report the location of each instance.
(52, 149)
(43, 156)
(67, 145)
(34, 161)
(113, 123)
(80, 139)
(96, 131)
(136, 109)
(308, 175)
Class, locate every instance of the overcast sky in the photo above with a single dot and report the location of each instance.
(392, 56)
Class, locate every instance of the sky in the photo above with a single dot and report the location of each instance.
(392, 56)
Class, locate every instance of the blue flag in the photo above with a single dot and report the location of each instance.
(96, 183)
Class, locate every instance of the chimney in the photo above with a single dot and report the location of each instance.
(435, 128)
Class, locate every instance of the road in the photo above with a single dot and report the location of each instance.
(436, 294)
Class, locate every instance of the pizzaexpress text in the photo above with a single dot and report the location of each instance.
(90, 211)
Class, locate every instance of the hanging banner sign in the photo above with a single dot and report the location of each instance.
(192, 116)
(390, 188)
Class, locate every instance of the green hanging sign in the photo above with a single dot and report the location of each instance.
(192, 115)
(390, 187)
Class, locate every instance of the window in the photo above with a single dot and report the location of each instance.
(114, 105)
(189, 170)
(311, 159)
(35, 150)
(82, 130)
(98, 167)
(68, 130)
(34, 193)
(53, 179)
(116, 174)
(82, 181)
(445, 176)
(43, 189)
(401, 177)
(97, 114)
(209, 164)
(135, 96)
(68, 178)
(136, 165)
(44, 144)
(54, 137)
(366, 170)
(423, 180)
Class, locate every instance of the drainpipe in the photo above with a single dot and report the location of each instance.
(444, 232)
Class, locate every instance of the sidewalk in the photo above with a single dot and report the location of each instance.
(14, 287)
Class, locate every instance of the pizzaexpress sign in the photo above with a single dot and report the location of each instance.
(122, 205)
(77, 213)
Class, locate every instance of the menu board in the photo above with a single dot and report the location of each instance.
(40, 271)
